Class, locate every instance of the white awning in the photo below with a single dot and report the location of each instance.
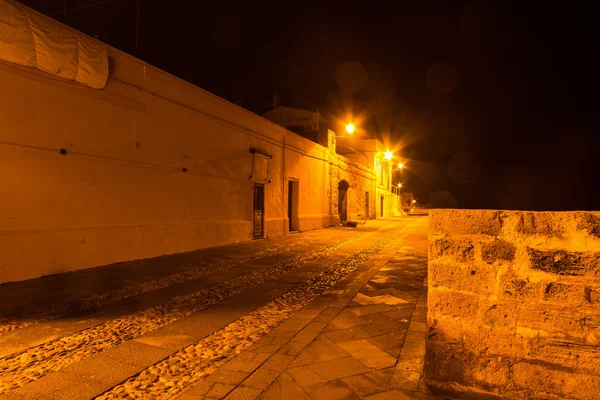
(34, 40)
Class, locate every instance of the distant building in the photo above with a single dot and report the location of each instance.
(303, 122)
(406, 201)
(372, 152)
(381, 200)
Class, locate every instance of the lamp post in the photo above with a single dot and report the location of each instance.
(396, 170)
(350, 128)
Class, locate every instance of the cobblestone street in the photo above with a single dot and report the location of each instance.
(325, 314)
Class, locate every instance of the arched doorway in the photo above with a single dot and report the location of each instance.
(343, 200)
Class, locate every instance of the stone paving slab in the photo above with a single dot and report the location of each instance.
(328, 305)
(36, 295)
(350, 335)
(133, 356)
(20, 339)
(363, 341)
(178, 334)
(32, 335)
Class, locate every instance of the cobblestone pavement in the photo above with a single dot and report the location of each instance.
(87, 303)
(334, 313)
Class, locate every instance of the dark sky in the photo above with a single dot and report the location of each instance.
(490, 104)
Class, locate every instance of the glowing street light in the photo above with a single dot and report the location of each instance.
(388, 155)
(400, 165)
(399, 185)
(350, 128)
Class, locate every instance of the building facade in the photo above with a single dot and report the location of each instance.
(407, 201)
(378, 200)
(373, 155)
(148, 165)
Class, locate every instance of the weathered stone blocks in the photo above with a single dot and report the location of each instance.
(513, 287)
(567, 353)
(459, 249)
(592, 296)
(470, 277)
(455, 363)
(543, 378)
(453, 303)
(458, 222)
(497, 250)
(550, 318)
(536, 223)
(514, 304)
(562, 262)
(588, 222)
(568, 294)
(501, 314)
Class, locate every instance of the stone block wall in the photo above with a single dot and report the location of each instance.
(514, 304)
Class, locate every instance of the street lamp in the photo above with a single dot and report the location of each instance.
(388, 155)
(350, 129)
(400, 165)
(399, 185)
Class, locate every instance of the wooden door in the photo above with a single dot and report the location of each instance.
(259, 210)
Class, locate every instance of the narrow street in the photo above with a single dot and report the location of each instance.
(331, 313)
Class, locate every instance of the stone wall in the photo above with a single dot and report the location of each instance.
(514, 304)
(150, 165)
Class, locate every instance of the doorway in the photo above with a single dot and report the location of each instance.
(366, 205)
(293, 205)
(381, 212)
(343, 200)
(259, 210)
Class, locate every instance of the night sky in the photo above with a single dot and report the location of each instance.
(490, 104)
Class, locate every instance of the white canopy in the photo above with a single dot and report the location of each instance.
(31, 39)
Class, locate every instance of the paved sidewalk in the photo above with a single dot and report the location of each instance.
(363, 338)
(165, 324)
(334, 313)
(44, 309)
